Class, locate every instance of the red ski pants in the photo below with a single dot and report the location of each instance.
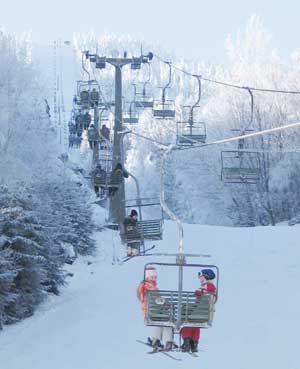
(190, 332)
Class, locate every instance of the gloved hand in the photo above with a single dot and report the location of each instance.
(199, 293)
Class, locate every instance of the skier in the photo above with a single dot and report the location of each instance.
(99, 178)
(92, 136)
(86, 120)
(116, 178)
(105, 132)
(160, 334)
(191, 335)
(94, 97)
(132, 234)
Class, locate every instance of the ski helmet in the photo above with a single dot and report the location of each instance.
(208, 274)
(133, 213)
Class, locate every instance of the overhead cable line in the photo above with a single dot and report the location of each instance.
(223, 141)
(249, 135)
(226, 83)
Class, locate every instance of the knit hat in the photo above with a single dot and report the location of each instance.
(207, 273)
(133, 213)
(150, 272)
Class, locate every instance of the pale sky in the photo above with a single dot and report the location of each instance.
(191, 28)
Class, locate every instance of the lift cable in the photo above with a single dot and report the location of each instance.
(226, 83)
(223, 141)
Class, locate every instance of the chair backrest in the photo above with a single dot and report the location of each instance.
(162, 309)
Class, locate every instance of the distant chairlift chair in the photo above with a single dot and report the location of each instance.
(164, 109)
(132, 116)
(144, 100)
(190, 134)
(240, 167)
(146, 229)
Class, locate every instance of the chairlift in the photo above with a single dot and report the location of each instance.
(147, 229)
(164, 109)
(177, 307)
(92, 134)
(94, 97)
(83, 120)
(88, 94)
(132, 116)
(109, 179)
(191, 132)
(240, 167)
(100, 178)
(143, 99)
(105, 134)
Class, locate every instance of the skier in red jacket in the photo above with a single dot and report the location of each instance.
(191, 335)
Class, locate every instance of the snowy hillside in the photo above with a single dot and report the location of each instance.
(97, 318)
(86, 315)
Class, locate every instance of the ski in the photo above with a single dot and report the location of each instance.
(127, 258)
(164, 352)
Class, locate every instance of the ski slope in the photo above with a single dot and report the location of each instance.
(96, 320)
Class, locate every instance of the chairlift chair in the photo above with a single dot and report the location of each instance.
(164, 108)
(83, 120)
(88, 93)
(188, 134)
(94, 97)
(240, 167)
(144, 100)
(84, 98)
(178, 308)
(92, 134)
(100, 179)
(147, 229)
(191, 132)
(132, 116)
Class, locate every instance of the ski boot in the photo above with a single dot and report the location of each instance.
(154, 343)
(186, 346)
(194, 346)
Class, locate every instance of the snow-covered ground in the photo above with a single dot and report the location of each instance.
(96, 320)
